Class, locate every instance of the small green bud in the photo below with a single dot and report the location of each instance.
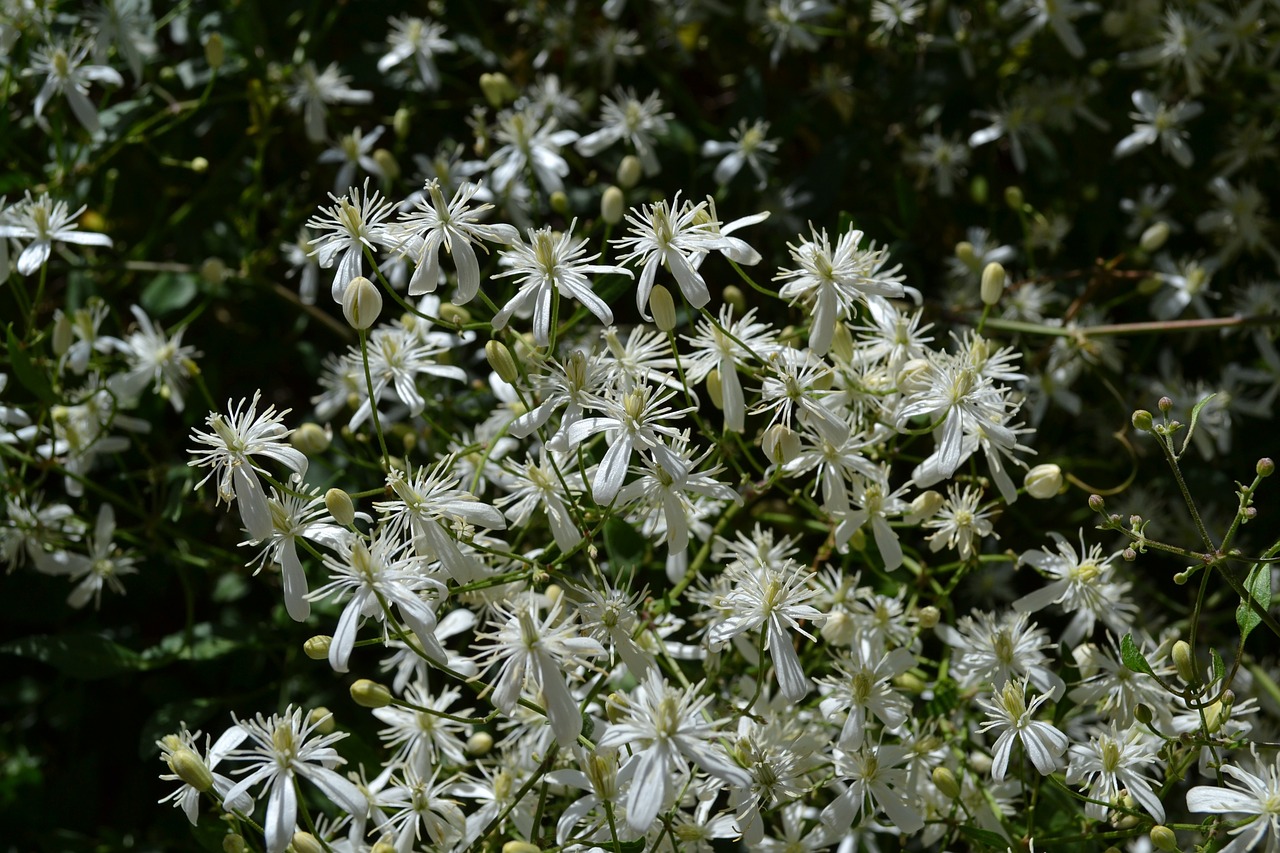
(1215, 715)
(215, 52)
(1142, 713)
(340, 506)
(322, 719)
(233, 843)
(1142, 420)
(979, 188)
(945, 781)
(909, 682)
(387, 163)
(629, 171)
(383, 847)
(199, 165)
(402, 123)
(1014, 198)
(1184, 662)
(993, 281)
(734, 297)
(361, 303)
(317, 648)
(62, 334)
(612, 205)
(497, 89)
(305, 842)
(1043, 481)
(480, 743)
(1096, 503)
(1165, 405)
(928, 617)
(1164, 838)
(715, 388)
(310, 438)
(501, 361)
(520, 847)
(1265, 467)
(560, 202)
(213, 270)
(454, 315)
(1154, 237)
(966, 255)
(1149, 285)
(191, 769)
(663, 308)
(370, 694)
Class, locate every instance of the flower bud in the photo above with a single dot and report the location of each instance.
(629, 171)
(520, 847)
(841, 344)
(734, 297)
(924, 505)
(910, 683)
(1164, 838)
(1154, 237)
(1165, 404)
(497, 89)
(501, 361)
(1014, 198)
(1043, 481)
(1215, 715)
(929, 617)
(1142, 420)
(479, 744)
(340, 506)
(993, 280)
(233, 843)
(311, 439)
(383, 847)
(612, 205)
(663, 308)
(317, 648)
(361, 303)
(1184, 661)
(1129, 555)
(945, 781)
(215, 52)
(966, 255)
(913, 377)
(370, 694)
(715, 388)
(839, 628)
(1097, 503)
(1142, 713)
(980, 763)
(1266, 467)
(213, 270)
(387, 163)
(322, 718)
(560, 202)
(454, 315)
(780, 444)
(191, 769)
(305, 842)
(62, 333)
(402, 123)
(199, 165)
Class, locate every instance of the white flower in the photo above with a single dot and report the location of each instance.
(312, 92)
(873, 773)
(354, 223)
(1057, 15)
(624, 116)
(1009, 714)
(419, 39)
(1112, 761)
(295, 516)
(284, 751)
(154, 357)
(184, 747)
(529, 142)
(352, 151)
(454, 226)
(1081, 585)
(1156, 121)
(42, 221)
(1256, 794)
(102, 566)
(64, 75)
(550, 265)
(750, 146)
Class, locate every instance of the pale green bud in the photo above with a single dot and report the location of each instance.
(1184, 661)
(925, 505)
(520, 847)
(233, 843)
(1014, 198)
(62, 334)
(305, 842)
(966, 255)
(1142, 420)
(361, 303)
(945, 781)
(454, 315)
(383, 847)
(370, 694)
(1154, 237)
(213, 270)
(340, 506)
(993, 280)
(838, 628)
(402, 122)
(322, 719)
(497, 89)
(914, 376)
(310, 438)
(929, 616)
(199, 165)
(191, 769)
(734, 297)
(629, 171)
(560, 202)
(780, 444)
(317, 648)
(480, 743)
(1150, 285)
(715, 388)
(663, 308)
(501, 361)
(1164, 838)
(387, 163)
(612, 205)
(1043, 481)
(215, 52)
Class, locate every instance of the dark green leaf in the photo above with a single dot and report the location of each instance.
(984, 837)
(624, 546)
(77, 655)
(1258, 585)
(1219, 668)
(1132, 657)
(1195, 416)
(25, 371)
(169, 292)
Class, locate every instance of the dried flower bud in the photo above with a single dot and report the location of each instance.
(928, 617)
(838, 628)
(501, 361)
(993, 280)
(1265, 467)
(310, 438)
(370, 694)
(1142, 420)
(305, 842)
(663, 308)
(945, 781)
(317, 648)
(1154, 237)
(1164, 838)
(612, 205)
(340, 506)
(1043, 481)
(361, 303)
(1184, 661)
(629, 171)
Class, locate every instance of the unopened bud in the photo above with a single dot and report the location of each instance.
(215, 52)
(317, 648)
(715, 387)
(387, 164)
(199, 165)
(914, 377)
(909, 682)
(1097, 503)
(1184, 661)
(361, 303)
(213, 270)
(966, 255)
(1149, 285)
(310, 438)
(839, 628)
(1043, 481)
(383, 847)
(1129, 555)
(62, 334)
(1164, 838)
(1165, 404)
(1154, 237)
(454, 315)
(1014, 198)
(629, 171)
(520, 847)
(305, 842)
(612, 205)
(370, 694)
(928, 617)
(1142, 713)
(735, 298)
(1265, 467)
(322, 718)
(780, 444)
(233, 843)
(340, 506)
(479, 744)
(501, 361)
(993, 279)
(663, 308)
(560, 202)
(191, 769)
(497, 89)
(945, 781)
(1142, 420)
(402, 123)
(924, 505)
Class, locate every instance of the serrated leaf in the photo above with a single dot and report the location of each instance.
(984, 837)
(86, 656)
(1258, 585)
(1195, 416)
(1132, 656)
(25, 371)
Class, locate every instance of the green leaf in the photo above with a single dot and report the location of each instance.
(1258, 585)
(1219, 668)
(25, 371)
(204, 645)
(84, 656)
(169, 292)
(624, 546)
(1191, 430)
(636, 846)
(1132, 657)
(984, 837)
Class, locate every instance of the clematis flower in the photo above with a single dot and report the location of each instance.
(42, 221)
